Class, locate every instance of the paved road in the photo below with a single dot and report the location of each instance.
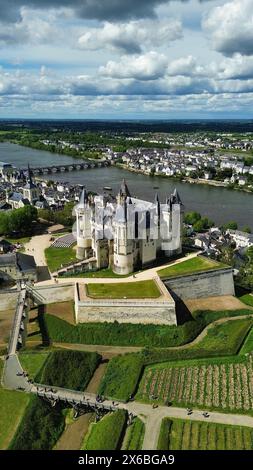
(15, 332)
(155, 416)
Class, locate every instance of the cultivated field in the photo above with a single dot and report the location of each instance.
(226, 386)
(178, 434)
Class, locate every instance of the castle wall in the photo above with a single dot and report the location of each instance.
(163, 315)
(208, 284)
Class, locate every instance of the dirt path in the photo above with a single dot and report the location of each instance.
(36, 247)
(106, 351)
(94, 383)
(225, 302)
(72, 437)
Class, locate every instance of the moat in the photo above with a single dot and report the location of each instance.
(219, 204)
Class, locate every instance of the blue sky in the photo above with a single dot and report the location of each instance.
(126, 59)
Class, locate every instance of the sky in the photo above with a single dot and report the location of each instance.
(126, 59)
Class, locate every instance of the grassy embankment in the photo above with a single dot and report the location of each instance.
(134, 435)
(125, 290)
(180, 434)
(101, 273)
(40, 427)
(190, 266)
(107, 434)
(12, 408)
(247, 299)
(129, 334)
(33, 362)
(70, 369)
(58, 257)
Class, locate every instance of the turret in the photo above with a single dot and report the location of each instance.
(123, 245)
(83, 226)
(172, 225)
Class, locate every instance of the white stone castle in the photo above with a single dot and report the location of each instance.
(126, 233)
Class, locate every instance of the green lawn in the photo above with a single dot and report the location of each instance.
(41, 426)
(121, 376)
(247, 346)
(134, 435)
(58, 257)
(107, 433)
(33, 362)
(226, 337)
(247, 299)
(129, 290)
(12, 409)
(178, 434)
(190, 266)
(101, 273)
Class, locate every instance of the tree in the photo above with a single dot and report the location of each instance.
(191, 218)
(246, 229)
(4, 223)
(20, 220)
(230, 226)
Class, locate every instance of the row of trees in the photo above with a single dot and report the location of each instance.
(201, 224)
(18, 221)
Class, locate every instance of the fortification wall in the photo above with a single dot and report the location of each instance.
(125, 311)
(159, 315)
(207, 284)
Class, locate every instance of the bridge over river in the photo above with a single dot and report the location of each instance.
(85, 165)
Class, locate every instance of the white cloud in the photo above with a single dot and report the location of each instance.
(131, 37)
(149, 66)
(231, 27)
(187, 66)
(31, 28)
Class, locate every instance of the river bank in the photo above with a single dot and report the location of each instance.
(185, 179)
(217, 203)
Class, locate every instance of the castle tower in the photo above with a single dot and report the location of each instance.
(123, 256)
(158, 223)
(83, 226)
(172, 225)
(30, 190)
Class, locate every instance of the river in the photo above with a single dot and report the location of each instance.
(219, 204)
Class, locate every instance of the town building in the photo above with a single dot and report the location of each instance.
(17, 266)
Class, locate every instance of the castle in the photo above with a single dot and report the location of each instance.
(126, 233)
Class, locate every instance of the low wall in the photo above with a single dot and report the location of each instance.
(55, 293)
(8, 299)
(211, 283)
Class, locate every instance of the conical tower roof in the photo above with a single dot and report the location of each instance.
(124, 191)
(176, 197)
(83, 198)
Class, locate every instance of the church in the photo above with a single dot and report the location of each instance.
(126, 233)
